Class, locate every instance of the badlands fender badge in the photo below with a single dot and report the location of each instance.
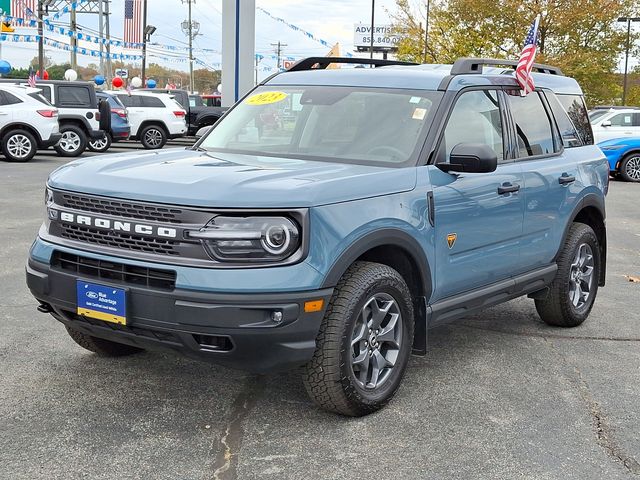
(451, 240)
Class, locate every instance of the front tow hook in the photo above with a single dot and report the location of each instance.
(45, 308)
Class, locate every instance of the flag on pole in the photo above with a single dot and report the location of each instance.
(523, 70)
(32, 78)
(133, 21)
(25, 9)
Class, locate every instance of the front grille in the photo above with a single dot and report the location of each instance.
(114, 272)
(118, 240)
(122, 208)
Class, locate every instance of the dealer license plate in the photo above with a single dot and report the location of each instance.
(102, 302)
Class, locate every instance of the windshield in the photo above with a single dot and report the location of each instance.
(339, 124)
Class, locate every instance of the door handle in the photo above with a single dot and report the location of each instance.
(508, 187)
(566, 179)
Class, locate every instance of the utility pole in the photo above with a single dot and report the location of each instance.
(373, 27)
(41, 38)
(191, 29)
(278, 52)
(106, 17)
(426, 32)
(144, 43)
(73, 26)
(101, 29)
(628, 21)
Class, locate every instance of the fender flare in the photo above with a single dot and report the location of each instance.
(21, 126)
(74, 119)
(384, 237)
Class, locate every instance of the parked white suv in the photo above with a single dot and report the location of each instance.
(27, 122)
(154, 117)
(616, 123)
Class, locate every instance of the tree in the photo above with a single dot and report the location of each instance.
(579, 36)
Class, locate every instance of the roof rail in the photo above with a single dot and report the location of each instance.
(320, 63)
(474, 65)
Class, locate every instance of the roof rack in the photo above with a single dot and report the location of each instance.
(320, 63)
(474, 65)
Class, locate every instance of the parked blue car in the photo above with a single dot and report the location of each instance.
(120, 127)
(624, 157)
(329, 220)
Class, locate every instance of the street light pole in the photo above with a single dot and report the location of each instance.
(628, 21)
(373, 15)
(144, 43)
(41, 38)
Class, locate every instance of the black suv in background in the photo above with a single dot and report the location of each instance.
(78, 116)
(198, 116)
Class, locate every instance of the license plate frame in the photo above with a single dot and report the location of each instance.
(101, 302)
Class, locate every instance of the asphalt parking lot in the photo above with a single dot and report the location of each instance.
(500, 395)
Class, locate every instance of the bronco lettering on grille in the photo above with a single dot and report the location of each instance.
(118, 226)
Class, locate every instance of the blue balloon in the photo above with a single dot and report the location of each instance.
(151, 83)
(5, 67)
(98, 79)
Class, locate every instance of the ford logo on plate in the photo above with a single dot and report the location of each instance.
(93, 295)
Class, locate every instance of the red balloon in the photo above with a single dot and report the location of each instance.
(46, 75)
(117, 82)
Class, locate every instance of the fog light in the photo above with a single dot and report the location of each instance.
(276, 317)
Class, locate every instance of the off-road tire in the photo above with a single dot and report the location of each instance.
(19, 141)
(557, 309)
(629, 168)
(100, 346)
(329, 378)
(158, 132)
(92, 144)
(82, 141)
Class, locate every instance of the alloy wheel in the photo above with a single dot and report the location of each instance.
(376, 341)
(581, 276)
(153, 137)
(632, 168)
(19, 146)
(70, 141)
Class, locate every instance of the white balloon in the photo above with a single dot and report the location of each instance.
(136, 82)
(219, 88)
(71, 75)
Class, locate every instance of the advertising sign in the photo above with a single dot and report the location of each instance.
(384, 38)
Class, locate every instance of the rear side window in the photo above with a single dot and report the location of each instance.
(9, 99)
(46, 92)
(154, 102)
(533, 127)
(568, 131)
(74, 96)
(577, 110)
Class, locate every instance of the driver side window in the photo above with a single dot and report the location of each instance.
(475, 118)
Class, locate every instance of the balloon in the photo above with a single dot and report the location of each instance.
(43, 77)
(5, 67)
(117, 82)
(71, 75)
(99, 79)
(219, 88)
(151, 83)
(136, 82)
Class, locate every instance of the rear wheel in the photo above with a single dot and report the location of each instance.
(19, 146)
(73, 142)
(100, 346)
(574, 289)
(365, 339)
(153, 137)
(101, 145)
(630, 168)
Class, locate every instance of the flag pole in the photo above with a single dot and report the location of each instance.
(144, 42)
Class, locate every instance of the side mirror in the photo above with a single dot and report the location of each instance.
(606, 123)
(203, 131)
(471, 158)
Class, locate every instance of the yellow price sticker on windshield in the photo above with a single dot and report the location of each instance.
(265, 98)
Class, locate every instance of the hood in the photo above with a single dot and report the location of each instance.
(206, 179)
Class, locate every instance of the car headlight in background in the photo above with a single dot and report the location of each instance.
(249, 239)
(48, 197)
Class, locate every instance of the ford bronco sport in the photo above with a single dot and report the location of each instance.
(329, 220)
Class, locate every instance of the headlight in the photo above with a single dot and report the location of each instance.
(48, 197)
(243, 239)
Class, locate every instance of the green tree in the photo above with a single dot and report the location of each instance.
(580, 36)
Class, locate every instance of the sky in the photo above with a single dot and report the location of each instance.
(329, 20)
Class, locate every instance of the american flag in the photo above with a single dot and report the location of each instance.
(523, 70)
(32, 78)
(27, 9)
(133, 21)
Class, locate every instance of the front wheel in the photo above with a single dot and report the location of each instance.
(574, 289)
(630, 168)
(153, 137)
(364, 342)
(19, 146)
(73, 142)
(100, 145)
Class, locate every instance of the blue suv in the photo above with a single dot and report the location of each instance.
(332, 218)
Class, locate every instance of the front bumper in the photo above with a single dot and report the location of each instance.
(235, 330)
